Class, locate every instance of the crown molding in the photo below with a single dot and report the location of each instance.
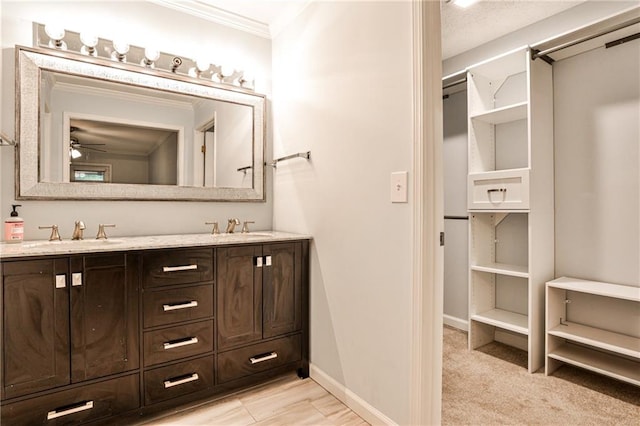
(217, 15)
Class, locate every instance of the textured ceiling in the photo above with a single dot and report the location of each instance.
(462, 29)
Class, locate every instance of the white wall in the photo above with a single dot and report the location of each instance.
(597, 163)
(343, 90)
(142, 23)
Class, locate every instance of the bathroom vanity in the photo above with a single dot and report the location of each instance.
(120, 328)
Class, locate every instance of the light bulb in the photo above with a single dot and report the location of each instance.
(56, 34)
(89, 43)
(120, 49)
(247, 79)
(226, 70)
(75, 153)
(150, 56)
(202, 65)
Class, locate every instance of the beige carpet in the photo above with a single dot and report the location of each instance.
(491, 386)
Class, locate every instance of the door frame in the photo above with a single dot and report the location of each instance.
(428, 218)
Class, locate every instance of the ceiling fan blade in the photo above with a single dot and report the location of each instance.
(91, 149)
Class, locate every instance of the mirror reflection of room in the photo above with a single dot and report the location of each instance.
(96, 131)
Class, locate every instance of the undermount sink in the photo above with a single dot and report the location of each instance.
(76, 243)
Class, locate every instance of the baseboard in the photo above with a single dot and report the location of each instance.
(454, 322)
(358, 405)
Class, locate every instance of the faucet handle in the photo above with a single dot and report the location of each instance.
(245, 226)
(101, 234)
(55, 235)
(215, 229)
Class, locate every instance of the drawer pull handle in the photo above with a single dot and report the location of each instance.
(181, 380)
(69, 410)
(497, 190)
(175, 306)
(181, 342)
(263, 357)
(179, 268)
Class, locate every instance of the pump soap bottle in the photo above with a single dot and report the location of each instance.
(14, 227)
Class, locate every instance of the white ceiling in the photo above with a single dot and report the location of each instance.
(462, 29)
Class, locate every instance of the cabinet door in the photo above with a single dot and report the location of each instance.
(35, 337)
(281, 288)
(104, 315)
(239, 301)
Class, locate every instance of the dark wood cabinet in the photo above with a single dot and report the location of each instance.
(282, 289)
(261, 297)
(67, 320)
(104, 316)
(91, 337)
(35, 326)
(239, 301)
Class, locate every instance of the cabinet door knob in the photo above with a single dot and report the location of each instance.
(259, 261)
(61, 281)
(76, 279)
(88, 405)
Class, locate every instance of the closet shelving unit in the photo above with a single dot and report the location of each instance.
(510, 201)
(602, 340)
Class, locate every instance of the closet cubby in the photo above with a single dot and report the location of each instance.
(510, 200)
(595, 326)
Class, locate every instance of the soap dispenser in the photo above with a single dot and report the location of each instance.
(14, 227)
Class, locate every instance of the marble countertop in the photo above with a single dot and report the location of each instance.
(45, 248)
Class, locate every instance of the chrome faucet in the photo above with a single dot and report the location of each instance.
(231, 225)
(77, 230)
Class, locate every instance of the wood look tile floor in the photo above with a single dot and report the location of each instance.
(284, 401)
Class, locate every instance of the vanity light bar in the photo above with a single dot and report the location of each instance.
(119, 51)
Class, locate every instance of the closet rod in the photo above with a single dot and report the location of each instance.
(454, 83)
(542, 53)
(456, 217)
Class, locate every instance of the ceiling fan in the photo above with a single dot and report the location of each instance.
(75, 145)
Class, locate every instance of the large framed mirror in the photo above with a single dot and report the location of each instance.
(92, 129)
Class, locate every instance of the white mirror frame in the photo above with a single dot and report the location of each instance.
(30, 62)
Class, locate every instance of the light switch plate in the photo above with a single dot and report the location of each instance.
(399, 191)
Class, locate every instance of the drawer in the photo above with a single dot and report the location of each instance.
(173, 343)
(178, 379)
(259, 357)
(502, 189)
(83, 404)
(170, 267)
(182, 304)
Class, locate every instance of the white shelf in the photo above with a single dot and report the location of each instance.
(599, 362)
(598, 288)
(503, 115)
(512, 321)
(599, 338)
(503, 269)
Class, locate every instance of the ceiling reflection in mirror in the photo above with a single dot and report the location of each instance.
(113, 133)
